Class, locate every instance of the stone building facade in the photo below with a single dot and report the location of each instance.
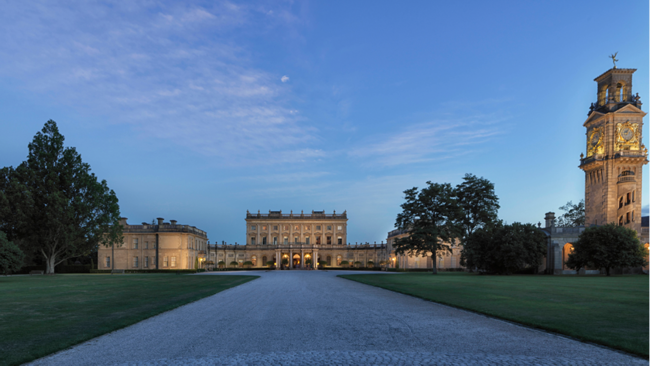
(445, 260)
(165, 245)
(297, 241)
(613, 167)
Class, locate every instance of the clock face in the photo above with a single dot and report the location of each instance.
(627, 133)
(595, 138)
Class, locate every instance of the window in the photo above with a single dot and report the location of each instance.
(329, 240)
(264, 240)
(628, 198)
(275, 227)
(318, 240)
(146, 262)
(135, 262)
(329, 260)
(339, 259)
(165, 262)
(296, 228)
(620, 202)
(108, 262)
(173, 261)
(286, 240)
(317, 227)
(275, 240)
(252, 241)
(253, 227)
(329, 227)
(295, 240)
(307, 240)
(264, 227)
(135, 243)
(146, 245)
(286, 227)
(254, 260)
(627, 218)
(340, 240)
(620, 221)
(307, 227)
(340, 227)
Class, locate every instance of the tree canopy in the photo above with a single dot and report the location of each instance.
(573, 216)
(11, 257)
(429, 217)
(607, 246)
(504, 249)
(63, 210)
(478, 204)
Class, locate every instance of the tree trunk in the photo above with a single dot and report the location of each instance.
(50, 261)
(607, 270)
(434, 269)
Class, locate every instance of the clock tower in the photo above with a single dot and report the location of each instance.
(615, 155)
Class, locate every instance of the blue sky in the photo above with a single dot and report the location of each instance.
(199, 111)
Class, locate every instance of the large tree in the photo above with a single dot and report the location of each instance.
(11, 257)
(478, 204)
(607, 246)
(428, 216)
(504, 249)
(573, 216)
(68, 211)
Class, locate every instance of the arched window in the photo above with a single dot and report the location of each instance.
(264, 260)
(329, 260)
(620, 202)
(339, 259)
(254, 260)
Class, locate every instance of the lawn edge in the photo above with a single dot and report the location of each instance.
(527, 325)
(128, 325)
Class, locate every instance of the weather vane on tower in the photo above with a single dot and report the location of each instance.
(613, 57)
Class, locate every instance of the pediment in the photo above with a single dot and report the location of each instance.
(594, 116)
(629, 108)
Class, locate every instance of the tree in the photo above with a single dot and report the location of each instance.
(344, 263)
(221, 264)
(429, 217)
(67, 211)
(270, 263)
(504, 249)
(477, 202)
(607, 246)
(248, 264)
(11, 257)
(573, 216)
(234, 263)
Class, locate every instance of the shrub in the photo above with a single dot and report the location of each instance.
(234, 263)
(248, 264)
(11, 257)
(345, 263)
(270, 263)
(221, 264)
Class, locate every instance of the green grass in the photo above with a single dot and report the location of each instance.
(40, 315)
(611, 311)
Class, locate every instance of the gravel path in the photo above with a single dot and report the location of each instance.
(313, 317)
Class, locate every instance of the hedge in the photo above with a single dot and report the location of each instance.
(169, 271)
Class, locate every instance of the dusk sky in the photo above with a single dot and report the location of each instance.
(199, 111)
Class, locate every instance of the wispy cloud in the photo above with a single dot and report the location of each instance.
(284, 79)
(170, 71)
(430, 141)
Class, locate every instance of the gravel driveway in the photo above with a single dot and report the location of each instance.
(316, 318)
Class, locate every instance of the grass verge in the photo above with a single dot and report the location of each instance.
(40, 315)
(611, 311)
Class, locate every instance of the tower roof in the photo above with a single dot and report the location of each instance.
(614, 71)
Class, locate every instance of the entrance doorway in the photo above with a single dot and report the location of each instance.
(296, 261)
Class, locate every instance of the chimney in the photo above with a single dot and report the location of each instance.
(549, 218)
(123, 221)
(160, 221)
(173, 222)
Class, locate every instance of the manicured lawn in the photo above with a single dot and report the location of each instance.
(40, 315)
(611, 311)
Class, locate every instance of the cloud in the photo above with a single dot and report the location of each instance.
(284, 79)
(168, 71)
(429, 141)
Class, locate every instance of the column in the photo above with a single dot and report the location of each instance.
(315, 259)
(290, 258)
(302, 258)
(277, 260)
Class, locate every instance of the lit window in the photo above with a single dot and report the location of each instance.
(296, 228)
(340, 227)
(135, 262)
(307, 227)
(173, 261)
(264, 227)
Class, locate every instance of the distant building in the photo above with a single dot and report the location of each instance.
(155, 246)
(445, 259)
(300, 240)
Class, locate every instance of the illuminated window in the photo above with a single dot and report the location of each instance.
(340, 227)
(135, 262)
(339, 259)
(173, 261)
(307, 227)
(296, 228)
(254, 260)
(264, 227)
